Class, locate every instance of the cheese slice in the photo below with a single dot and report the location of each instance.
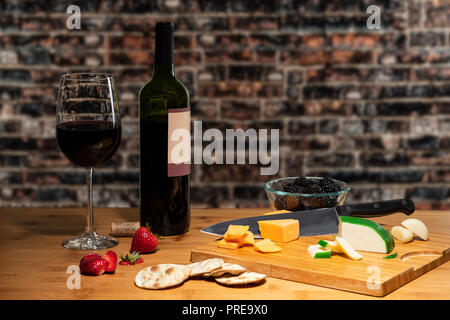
(249, 238)
(330, 245)
(316, 251)
(236, 232)
(283, 230)
(223, 243)
(348, 249)
(266, 246)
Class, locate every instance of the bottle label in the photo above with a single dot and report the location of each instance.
(179, 142)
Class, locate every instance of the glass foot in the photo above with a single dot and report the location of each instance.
(90, 241)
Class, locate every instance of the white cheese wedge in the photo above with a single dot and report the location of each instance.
(417, 227)
(316, 251)
(348, 249)
(366, 235)
(402, 234)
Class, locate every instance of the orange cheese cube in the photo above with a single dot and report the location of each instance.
(236, 232)
(229, 244)
(283, 230)
(276, 212)
(266, 246)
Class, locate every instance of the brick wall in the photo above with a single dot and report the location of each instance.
(370, 107)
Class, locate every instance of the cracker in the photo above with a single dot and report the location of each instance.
(162, 276)
(205, 266)
(242, 279)
(226, 268)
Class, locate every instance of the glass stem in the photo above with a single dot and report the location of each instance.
(90, 226)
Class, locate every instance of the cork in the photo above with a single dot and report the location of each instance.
(124, 229)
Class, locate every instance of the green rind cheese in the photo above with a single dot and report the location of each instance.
(382, 232)
(322, 243)
(317, 252)
(321, 255)
(392, 256)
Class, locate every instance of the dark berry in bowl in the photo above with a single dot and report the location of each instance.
(304, 193)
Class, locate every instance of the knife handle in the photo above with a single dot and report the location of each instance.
(377, 209)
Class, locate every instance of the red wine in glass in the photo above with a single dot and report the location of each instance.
(88, 143)
(88, 132)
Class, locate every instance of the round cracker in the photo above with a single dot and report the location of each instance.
(201, 267)
(226, 268)
(162, 276)
(242, 279)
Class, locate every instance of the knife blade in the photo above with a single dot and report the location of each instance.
(321, 221)
(313, 222)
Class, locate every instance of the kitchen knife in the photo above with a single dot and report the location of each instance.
(320, 221)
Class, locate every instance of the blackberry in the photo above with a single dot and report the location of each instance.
(302, 181)
(328, 185)
(314, 187)
(291, 187)
(307, 186)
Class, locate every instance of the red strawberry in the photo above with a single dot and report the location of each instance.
(111, 257)
(133, 258)
(144, 241)
(89, 256)
(94, 267)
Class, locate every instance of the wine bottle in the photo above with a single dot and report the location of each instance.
(165, 143)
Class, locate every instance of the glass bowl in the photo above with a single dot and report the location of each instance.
(280, 200)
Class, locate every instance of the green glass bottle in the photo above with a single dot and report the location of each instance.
(165, 144)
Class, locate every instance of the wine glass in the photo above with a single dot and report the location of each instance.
(88, 132)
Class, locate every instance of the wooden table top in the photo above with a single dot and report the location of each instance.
(34, 264)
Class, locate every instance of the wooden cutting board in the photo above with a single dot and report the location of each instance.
(372, 275)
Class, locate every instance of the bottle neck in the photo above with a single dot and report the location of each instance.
(164, 44)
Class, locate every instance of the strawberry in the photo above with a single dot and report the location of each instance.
(144, 241)
(94, 267)
(111, 257)
(133, 258)
(89, 256)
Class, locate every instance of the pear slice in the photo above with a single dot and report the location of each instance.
(402, 234)
(417, 227)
